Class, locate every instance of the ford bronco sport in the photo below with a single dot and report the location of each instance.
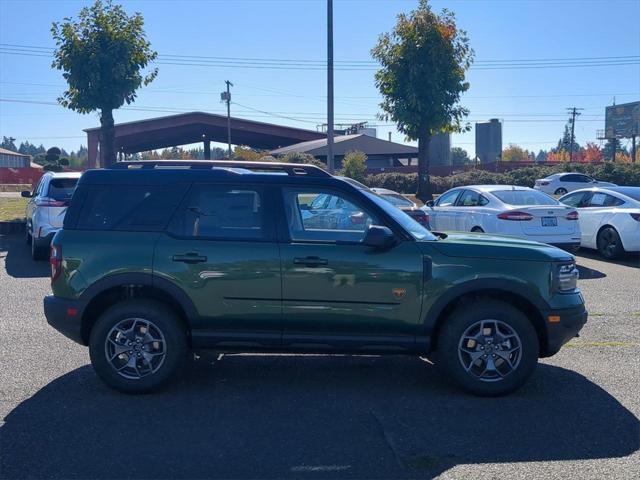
(157, 258)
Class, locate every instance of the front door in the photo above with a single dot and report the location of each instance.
(338, 292)
(220, 249)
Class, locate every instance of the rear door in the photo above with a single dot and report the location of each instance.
(597, 213)
(220, 249)
(338, 292)
(469, 211)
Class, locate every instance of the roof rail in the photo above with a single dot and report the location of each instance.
(267, 167)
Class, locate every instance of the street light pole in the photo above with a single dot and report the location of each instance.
(330, 86)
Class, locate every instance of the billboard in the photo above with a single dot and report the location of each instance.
(622, 121)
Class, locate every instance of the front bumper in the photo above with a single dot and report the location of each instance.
(65, 316)
(571, 321)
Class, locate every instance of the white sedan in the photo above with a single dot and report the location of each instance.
(507, 210)
(609, 218)
(561, 183)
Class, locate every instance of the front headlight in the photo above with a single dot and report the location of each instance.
(565, 277)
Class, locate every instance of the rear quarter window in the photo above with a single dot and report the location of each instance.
(123, 207)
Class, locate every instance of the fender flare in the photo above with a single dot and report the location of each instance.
(479, 285)
(145, 280)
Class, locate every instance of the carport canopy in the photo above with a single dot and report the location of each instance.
(195, 127)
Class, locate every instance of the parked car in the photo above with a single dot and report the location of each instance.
(609, 218)
(506, 210)
(404, 204)
(154, 261)
(562, 183)
(46, 209)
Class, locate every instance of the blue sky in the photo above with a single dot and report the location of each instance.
(531, 102)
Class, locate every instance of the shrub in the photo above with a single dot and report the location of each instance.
(621, 174)
(354, 165)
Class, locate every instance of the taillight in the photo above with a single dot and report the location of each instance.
(421, 217)
(572, 215)
(635, 216)
(48, 202)
(516, 216)
(55, 259)
(543, 183)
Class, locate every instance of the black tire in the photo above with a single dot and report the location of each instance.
(164, 320)
(477, 230)
(450, 362)
(38, 253)
(609, 243)
(560, 191)
(27, 235)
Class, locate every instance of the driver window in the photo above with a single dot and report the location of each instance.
(346, 221)
(448, 199)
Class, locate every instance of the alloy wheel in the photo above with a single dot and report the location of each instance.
(135, 348)
(490, 350)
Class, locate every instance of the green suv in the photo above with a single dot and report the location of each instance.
(157, 258)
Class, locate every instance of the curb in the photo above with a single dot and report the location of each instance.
(9, 228)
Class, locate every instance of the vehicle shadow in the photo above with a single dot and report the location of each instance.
(631, 259)
(281, 416)
(587, 273)
(18, 262)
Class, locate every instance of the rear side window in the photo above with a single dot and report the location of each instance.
(471, 199)
(221, 212)
(61, 188)
(128, 207)
(604, 200)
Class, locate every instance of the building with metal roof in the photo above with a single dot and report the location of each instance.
(9, 159)
(196, 127)
(380, 153)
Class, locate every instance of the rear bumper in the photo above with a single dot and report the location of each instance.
(65, 316)
(560, 332)
(569, 246)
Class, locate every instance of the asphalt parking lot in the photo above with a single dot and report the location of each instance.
(276, 416)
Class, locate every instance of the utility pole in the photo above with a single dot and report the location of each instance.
(226, 97)
(574, 113)
(330, 86)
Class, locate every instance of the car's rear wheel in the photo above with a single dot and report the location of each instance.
(137, 346)
(477, 230)
(488, 348)
(609, 243)
(560, 191)
(37, 252)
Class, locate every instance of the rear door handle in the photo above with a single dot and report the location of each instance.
(189, 258)
(310, 261)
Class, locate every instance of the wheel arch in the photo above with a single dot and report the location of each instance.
(119, 287)
(527, 302)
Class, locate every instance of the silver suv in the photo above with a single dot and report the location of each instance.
(46, 208)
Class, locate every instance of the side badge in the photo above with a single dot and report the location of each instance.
(399, 293)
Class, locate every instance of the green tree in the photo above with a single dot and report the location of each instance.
(102, 55)
(306, 158)
(8, 143)
(459, 156)
(424, 61)
(354, 165)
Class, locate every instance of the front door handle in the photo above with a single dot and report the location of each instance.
(189, 258)
(311, 261)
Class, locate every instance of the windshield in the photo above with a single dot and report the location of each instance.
(397, 200)
(524, 197)
(416, 230)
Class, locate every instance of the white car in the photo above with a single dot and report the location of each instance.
(506, 210)
(609, 218)
(562, 183)
(46, 208)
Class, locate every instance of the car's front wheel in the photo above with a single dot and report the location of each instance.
(38, 252)
(488, 348)
(137, 346)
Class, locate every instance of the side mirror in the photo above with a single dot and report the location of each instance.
(379, 237)
(430, 203)
(26, 194)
